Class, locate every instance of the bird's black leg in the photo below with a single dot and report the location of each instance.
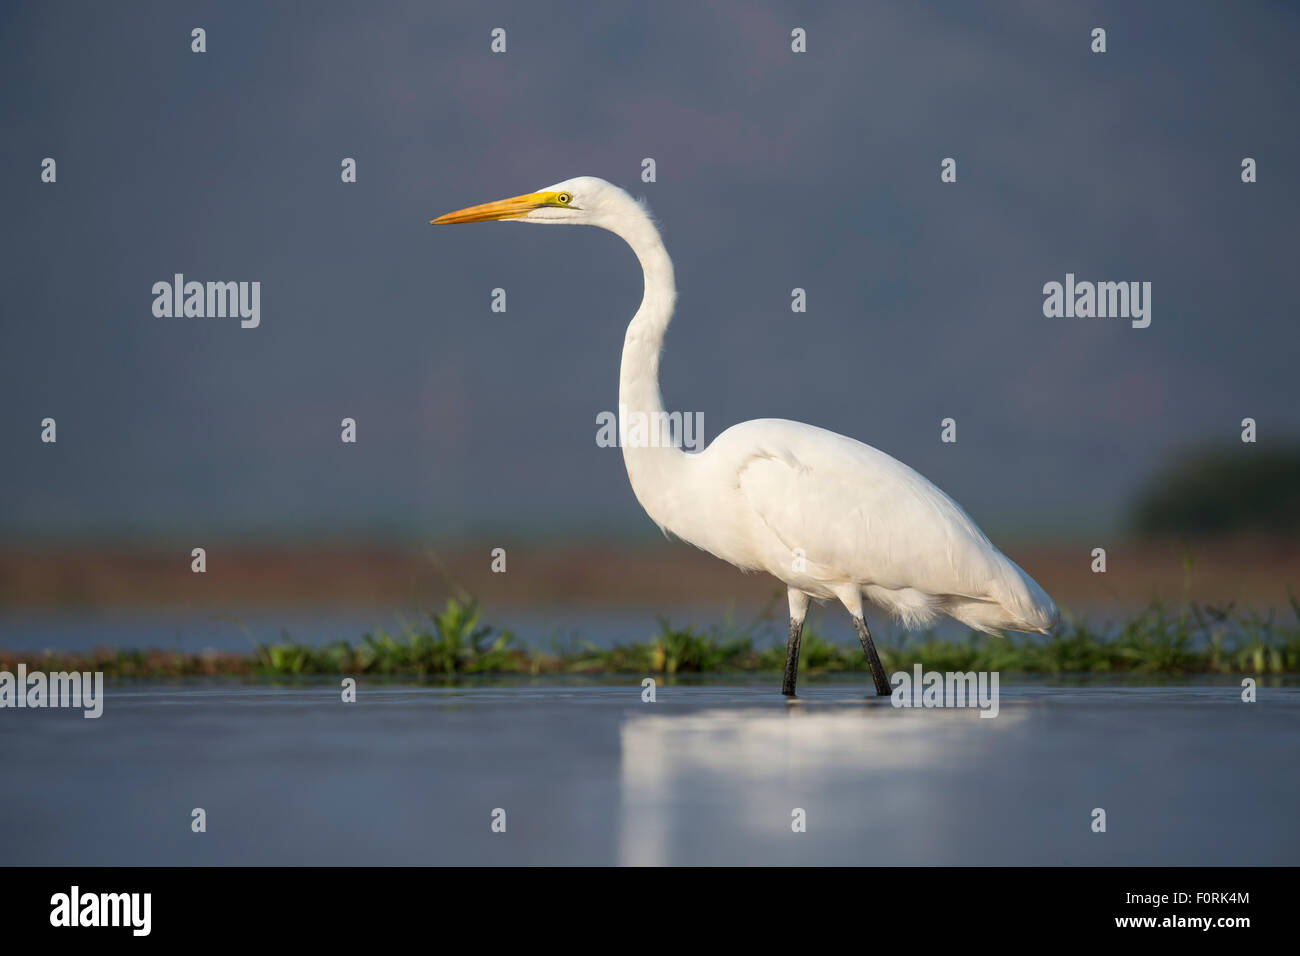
(792, 657)
(873, 659)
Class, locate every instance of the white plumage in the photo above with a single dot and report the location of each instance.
(827, 515)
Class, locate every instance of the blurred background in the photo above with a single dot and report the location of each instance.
(774, 170)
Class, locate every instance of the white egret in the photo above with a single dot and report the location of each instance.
(827, 515)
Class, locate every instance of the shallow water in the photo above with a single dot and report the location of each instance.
(1187, 774)
(240, 630)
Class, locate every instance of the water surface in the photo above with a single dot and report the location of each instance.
(709, 773)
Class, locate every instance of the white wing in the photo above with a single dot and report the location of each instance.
(861, 516)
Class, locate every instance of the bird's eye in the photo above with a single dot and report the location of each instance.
(564, 198)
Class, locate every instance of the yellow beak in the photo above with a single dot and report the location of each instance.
(515, 208)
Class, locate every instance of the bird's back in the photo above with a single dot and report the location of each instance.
(819, 509)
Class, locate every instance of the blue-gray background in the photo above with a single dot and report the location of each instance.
(775, 170)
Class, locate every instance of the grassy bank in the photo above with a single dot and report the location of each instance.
(453, 642)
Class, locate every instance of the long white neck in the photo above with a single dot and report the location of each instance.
(653, 463)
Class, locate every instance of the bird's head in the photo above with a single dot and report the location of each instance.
(582, 201)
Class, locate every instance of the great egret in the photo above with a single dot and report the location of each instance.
(827, 515)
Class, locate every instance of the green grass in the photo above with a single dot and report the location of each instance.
(452, 642)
